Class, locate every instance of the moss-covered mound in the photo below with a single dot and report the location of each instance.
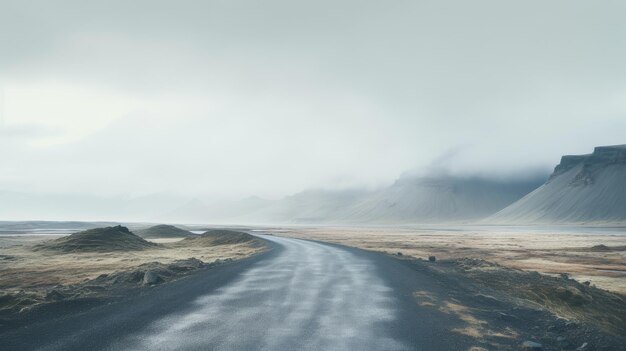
(163, 231)
(116, 238)
(221, 237)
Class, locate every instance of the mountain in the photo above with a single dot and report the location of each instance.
(409, 200)
(582, 189)
(310, 207)
(438, 199)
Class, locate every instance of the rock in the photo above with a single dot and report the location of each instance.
(150, 278)
(587, 283)
(399, 253)
(432, 258)
(531, 345)
(26, 309)
(486, 299)
(54, 295)
(132, 277)
(186, 265)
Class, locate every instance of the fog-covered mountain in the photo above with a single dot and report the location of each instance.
(583, 189)
(438, 199)
(311, 206)
(409, 200)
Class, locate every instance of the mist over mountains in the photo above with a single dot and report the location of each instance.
(582, 189)
(409, 200)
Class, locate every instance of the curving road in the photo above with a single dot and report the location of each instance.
(302, 295)
(312, 295)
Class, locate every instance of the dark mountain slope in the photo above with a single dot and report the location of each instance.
(583, 189)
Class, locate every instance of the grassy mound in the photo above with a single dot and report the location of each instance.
(163, 231)
(221, 237)
(116, 238)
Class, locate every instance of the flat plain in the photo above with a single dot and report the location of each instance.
(596, 255)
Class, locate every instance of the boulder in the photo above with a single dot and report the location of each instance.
(488, 299)
(532, 346)
(55, 295)
(150, 278)
(185, 265)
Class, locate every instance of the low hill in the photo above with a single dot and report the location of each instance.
(106, 239)
(163, 231)
(582, 189)
(221, 237)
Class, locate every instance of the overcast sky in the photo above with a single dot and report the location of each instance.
(233, 98)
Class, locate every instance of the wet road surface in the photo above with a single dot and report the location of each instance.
(303, 295)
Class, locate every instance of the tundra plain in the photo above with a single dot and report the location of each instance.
(596, 255)
(32, 276)
(482, 282)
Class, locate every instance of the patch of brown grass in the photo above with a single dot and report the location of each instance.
(553, 252)
(473, 326)
(28, 269)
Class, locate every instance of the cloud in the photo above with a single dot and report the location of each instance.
(241, 97)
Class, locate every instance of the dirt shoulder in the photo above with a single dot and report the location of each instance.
(581, 310)
(31, 278)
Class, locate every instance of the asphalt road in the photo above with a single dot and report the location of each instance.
(302, 295)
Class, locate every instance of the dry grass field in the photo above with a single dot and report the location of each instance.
(550, 251)
(37, 270)
(24, 268)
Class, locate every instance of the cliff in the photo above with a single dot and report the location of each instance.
(582, 189)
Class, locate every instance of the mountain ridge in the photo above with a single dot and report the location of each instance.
(409, 200)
